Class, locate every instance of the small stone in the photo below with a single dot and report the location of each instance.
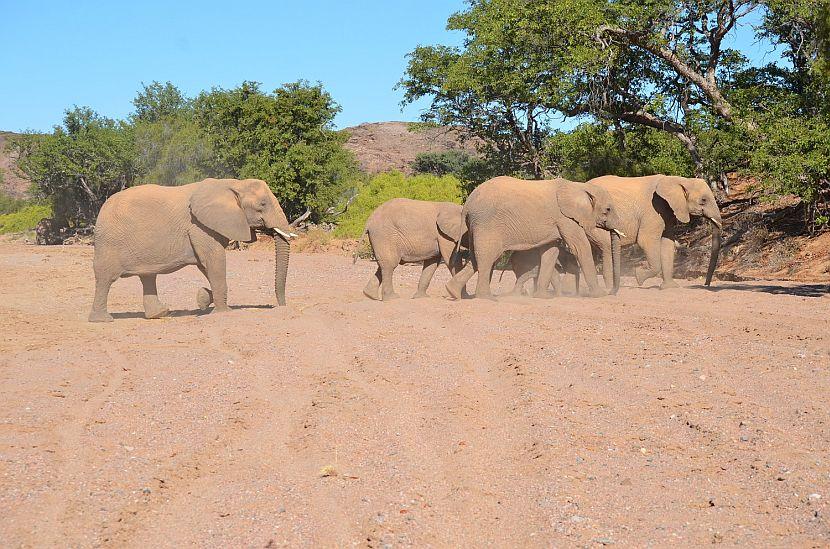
(604, 541)
(145, 491)
(744, 438)
(577, 518)
(814, 496)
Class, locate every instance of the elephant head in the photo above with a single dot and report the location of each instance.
(693, 197)
(233, 208)
(592, 207)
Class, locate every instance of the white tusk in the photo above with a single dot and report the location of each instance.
(619, 232)
(285, 235)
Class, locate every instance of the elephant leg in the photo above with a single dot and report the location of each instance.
(373, 285)
(99, 313)
(667, 262)
(387, 269)
(547, 270)
(458, 283)
(430, 265)
(578, 243)
(204, 297)
(216, 272)
(525, 266)
(454, 264)
(484, 265)
(652, 249)
(153, 307)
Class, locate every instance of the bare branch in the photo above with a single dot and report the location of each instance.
(300, 219)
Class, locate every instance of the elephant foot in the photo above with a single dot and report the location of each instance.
(100, 316)
(545, 295)
(641, 275)
(454, 291)
(489, 297)
(390, 296)
(419, 295)
(669, 284)
(204, 298)
(465, 294)
(371, 295)
(221, 309)
(596, 292)
(159, 311)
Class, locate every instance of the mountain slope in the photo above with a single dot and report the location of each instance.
(13, 184)
(385, 146)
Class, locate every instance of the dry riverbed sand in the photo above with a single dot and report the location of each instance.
(652, 418)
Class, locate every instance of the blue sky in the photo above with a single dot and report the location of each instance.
(59, 54)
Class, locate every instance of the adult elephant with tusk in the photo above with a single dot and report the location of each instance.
(509, 214)
(651, 205)
(149, 230)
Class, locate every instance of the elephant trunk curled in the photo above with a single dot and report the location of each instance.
(713, 258)
(615, 261)
(281, 252)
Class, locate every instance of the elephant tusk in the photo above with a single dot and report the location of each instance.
(285, 235)
(619, 233)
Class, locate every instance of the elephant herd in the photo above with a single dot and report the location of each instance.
(543, 223)
(149, 230)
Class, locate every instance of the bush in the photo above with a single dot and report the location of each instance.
(470, 170)
(386, 186)
(9, 204)
(24, 219)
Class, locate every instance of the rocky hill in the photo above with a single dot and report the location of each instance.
(12, 183)
(384, 146)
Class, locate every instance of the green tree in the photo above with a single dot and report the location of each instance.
(386, 186)
(659, 64)
(468, 169)
(158, 101)
(285, 138)
(593, 149)
(80, 164)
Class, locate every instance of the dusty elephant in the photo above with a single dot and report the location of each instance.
(648, 206)
(402, 230)
(506, 213)
(149, 230)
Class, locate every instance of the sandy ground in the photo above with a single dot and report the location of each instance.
(650, 418)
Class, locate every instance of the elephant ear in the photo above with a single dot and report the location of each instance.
(577, 203)
(449, 222)
(674, 193)
(215, 204)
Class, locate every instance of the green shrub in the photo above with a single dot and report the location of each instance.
(386, 186)
(9, 204)
(24, 219)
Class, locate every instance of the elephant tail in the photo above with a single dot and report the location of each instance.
(357, 248)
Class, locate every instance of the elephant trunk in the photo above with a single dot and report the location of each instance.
(713, 258)
(281, 253)
(615, 261)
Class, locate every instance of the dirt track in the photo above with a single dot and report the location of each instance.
(687, 416)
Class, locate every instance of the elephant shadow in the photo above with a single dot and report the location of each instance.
(799, 290)
(174, 313)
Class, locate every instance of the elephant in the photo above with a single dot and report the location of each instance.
(505, 213)
(650, 205)
(525, 265)
(402, 230)
(149, 230)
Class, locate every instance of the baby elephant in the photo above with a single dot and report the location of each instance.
(149, 230)
(405, 231)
